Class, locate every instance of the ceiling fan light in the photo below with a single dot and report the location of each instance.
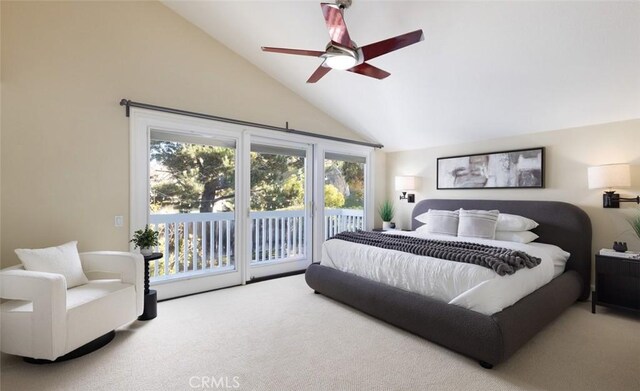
(341, 62)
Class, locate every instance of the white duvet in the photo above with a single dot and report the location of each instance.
(470, 286)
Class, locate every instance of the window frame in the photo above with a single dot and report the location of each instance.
(141, 121)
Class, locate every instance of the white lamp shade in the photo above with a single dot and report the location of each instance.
(405, 183)
(609, 176)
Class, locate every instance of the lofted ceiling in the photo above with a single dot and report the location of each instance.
(485, 69)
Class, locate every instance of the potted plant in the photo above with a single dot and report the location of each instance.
(635, 224)
(386, 213)
(145, 239)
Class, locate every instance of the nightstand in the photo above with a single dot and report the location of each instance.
(617, 283)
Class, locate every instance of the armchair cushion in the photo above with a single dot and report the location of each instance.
(63, 259)
(127, 267)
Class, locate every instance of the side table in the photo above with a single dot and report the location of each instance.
(150, 295)
(617, 283)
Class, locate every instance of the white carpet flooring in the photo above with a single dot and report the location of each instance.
(278, 335)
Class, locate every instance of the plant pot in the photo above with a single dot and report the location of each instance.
(146, 251)
(386, 225)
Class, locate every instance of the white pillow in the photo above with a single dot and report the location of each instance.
(514, 223)
(422, 229)
(63, 259)
(443, 222)
(422, 217)
(557, 255)
(478, 223)
(519, 237)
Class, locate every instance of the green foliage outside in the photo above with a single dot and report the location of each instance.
(348, 179)
(354, 176)
(332, 197)
(277, 182)
(190, 177)
(201, 178)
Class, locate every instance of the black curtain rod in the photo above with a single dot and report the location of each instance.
(129, 103)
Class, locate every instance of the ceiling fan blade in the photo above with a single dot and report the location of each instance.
(300, 52)
(336, 25)
(317, 75)
(388, 45)
(369, 70)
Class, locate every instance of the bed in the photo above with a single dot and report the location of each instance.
(490, 339)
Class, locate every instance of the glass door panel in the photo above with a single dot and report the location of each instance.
(192, 204)
(344, 193)
(279, 216)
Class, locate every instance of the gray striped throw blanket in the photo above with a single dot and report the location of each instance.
(501, 260)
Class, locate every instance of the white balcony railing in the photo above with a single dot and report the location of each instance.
(339, 220)
(194, 243)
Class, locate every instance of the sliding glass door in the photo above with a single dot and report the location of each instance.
(344, 193)
(192, 206)
(235, 204)
(192, 203)
(280, 217)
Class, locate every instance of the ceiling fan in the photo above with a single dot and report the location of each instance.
(342, 53)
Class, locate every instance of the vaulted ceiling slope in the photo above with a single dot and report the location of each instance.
(485, 69)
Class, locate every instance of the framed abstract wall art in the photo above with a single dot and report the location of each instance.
(523, 169)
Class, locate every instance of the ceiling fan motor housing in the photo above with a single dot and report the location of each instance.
(344, 3)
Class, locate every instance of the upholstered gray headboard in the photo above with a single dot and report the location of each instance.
(562, 224)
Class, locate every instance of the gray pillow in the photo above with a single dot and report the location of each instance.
(478, 223)
(442, 222)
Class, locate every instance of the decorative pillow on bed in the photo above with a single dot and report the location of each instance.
(422, 217)
(519, 237)
(443, 222)
(478, 223)
(63, 259)
(423, 229)
(514, 223)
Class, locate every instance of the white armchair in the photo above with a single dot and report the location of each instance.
(42, 319)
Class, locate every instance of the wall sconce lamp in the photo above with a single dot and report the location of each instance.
(404, 184)
(608, 177)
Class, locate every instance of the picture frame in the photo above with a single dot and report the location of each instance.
(512, 169)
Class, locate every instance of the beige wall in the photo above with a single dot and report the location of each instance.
(380, 183)
(568, 154)
(0, 137)
(65, 148)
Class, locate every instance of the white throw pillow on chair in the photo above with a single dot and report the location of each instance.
(63, 259)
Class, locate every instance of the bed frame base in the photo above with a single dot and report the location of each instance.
(488, 339)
